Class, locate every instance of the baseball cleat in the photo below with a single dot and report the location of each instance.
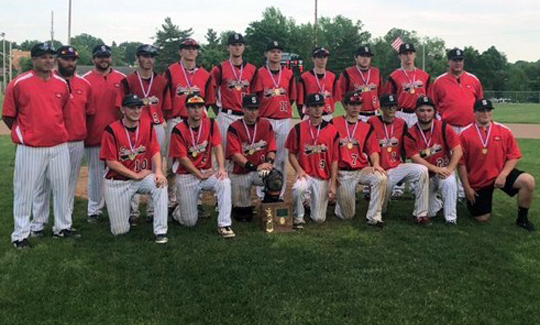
(526, 224)
(95, 218)
(226, 232)
(161, 239)
(149, 218)
(67, 233)
(21, 244)
(36, 233)
(451, 222)
(133, 221)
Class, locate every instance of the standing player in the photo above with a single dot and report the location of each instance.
(106, 83)
(184, 78)
(390, 132)
(276, 88)
(407, 84)
(33, 109)
(435, 145)
(357, 144)
(152, 89)
(233, 78)
(191, 146)
(313, 153)
(319, 80)
(251, 144)
(75, 113)
(364, 79)
(130, 149)
(490, 155)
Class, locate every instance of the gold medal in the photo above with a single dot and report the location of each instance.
(194, 154)
(146, 101)
(132, 156)
(484, 151)
(277, 92)
(389, 149)
(349, 145)
(238, 87)
(251, 152)
(412, 91)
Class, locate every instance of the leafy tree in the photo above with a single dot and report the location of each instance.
(28, 44)
(85, 43)
(129, 51)
(213, 52)
(167, 40)
(117, 55)
(25, 64)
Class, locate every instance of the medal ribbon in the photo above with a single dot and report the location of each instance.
(251, 141)
(321, 87)
(198, 135)
(349, 135)
(186, 73)
(426, 141)
(147, 92)
(311, 133)
(276, 84)
(411, 81)
(391, 131)
(237, 78)
(364, 80)
(129, 138)
(484, 142)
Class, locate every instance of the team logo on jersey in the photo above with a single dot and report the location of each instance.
(181, 90)
(272, 92)
(364, 88)
(410, 87)
(250, 149)
(310, 149)
(58, 95)
(497, 138)
(345, 142)
(78, 92)
(428, 152)
(194, 151)
(388, 143)
(237, 84)
(150, 100)
(117, 85)
(125, 153)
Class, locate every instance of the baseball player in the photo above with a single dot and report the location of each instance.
(276, 88)
(184, 78)
(75, 113)
(390, 132)
(106, 84)
(490, 155)
(152, 89)
(407, 83)
(130, 149)
(364, 79)
(191, 147)
(357, 144)
(434, 144)
(233, 78)
(251, 144)
(33, 109)
(313, 153)
(318, 80)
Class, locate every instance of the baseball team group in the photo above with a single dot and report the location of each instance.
(150, 134)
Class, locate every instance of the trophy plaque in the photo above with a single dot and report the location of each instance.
(275, 217)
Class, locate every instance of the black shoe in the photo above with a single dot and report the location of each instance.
(161, 239)
(149, 219)
(171, 210)
(298, 226)
(67, 233)
(95, 218)
(525, 224)
(36, 234)
(376, 224)
(133, 221)
(21, 244)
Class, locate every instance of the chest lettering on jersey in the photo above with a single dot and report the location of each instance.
(199, 148)
(345, 143)
(273, 92)
(364, 88)
(126, 154)
(310, 149)
(433, 150)
(150, 100)
(237, 84)
(407, 86)
(186, 90)
(388, 143)
(252, 148)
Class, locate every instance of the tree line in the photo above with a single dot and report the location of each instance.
(339, 34)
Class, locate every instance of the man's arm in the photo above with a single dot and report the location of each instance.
(457, 152)
(119, 168)
(470, 193)
(188, 164)
(333, 180)
(509, 165)
(160, 179)
(300, 173)
(220, 158)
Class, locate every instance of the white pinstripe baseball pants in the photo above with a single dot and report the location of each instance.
(188, 189)
(32, 166)
(317, 190)
(42, 196)
(410, 173)
(96, 174)
(346, 193)
(118, 194)
(448, 188)
(171, 176)
(241, 188)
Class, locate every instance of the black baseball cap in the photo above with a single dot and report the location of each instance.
(320, 51)
(388, 100)
(236, 38)
(42, 48)
(406, 47)
(364, 50)
(194, 100)
(131, 100)
(352, 97)
(189, 42)
(483, 105)
(147, 49)
(314, 99)
(424, 100)
(274, 45)
(101, 50)
(67, 52)
(250, 101)
(455, 54)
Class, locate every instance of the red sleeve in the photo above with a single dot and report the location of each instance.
(216, 137)
(300, 93)
(342, 86)
(380, 86)
(271, 139)
(513, 151)
(335, 148)
(216, 76)
(480, 90)
(90, 108)
(108, 149)
(464, 148)
(233, 144)
(432, 94)
(292, 88)
(411, 148)
(388, 87)
(451, 137)
(258, 84)
(153, 146)
(123, 91)
(210, 92)
(177, 147)
(336, 91)
(167, 105)
(292, 143)
(9, 106)
(372, 145)
(167, 102)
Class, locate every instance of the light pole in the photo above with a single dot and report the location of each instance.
(3, 61)
(69, 24)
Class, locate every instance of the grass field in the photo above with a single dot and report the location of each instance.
(334, 273)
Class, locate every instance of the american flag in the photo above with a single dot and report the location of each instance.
(397, 43)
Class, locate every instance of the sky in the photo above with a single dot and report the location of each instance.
(512, 26)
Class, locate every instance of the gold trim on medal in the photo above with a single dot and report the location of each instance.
(389, 149)
(251, 152)
(412, 91)
(350, 145)
(484, 151)
(194, 154)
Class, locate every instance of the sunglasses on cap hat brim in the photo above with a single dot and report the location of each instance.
(195, 101)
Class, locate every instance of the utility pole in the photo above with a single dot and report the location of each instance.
(316, 26)
(69, 24)
(10, 61)
(52, 27)
(424, 56)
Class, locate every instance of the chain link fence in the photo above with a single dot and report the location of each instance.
(513, 96)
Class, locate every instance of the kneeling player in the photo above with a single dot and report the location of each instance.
(190, 148)
(435, 145)
(390, 132)
(251, 145)
(356, 143)
(490, 155)
(313, 152)
(131, 151)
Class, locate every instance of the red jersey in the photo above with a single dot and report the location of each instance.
(105, 90)
(182, 82)
(37, 106)
(454, 97)
(153, 91)
(434, 146)
(232, 82)
(483, 166)
(325, 84)
(78, 107)
(196, 144)
(132, 147)
(368, 83)
(356, 143)
(316, 148)
(407, 86)
(390, 137)
(276, 90)
(254, 142)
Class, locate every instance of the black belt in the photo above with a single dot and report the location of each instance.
(370, 113)
(230, 111)
(408, 110)
(121, 178)
(349, 169)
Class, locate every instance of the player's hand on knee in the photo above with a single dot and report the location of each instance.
(221, 174)
(160, 180)
(444, 172)
(206, 175)
(470, 194)
(500, 181)
(143, 173)
(265, 166)
(379, 169)
(301, 174)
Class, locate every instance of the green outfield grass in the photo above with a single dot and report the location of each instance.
(334, 273)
